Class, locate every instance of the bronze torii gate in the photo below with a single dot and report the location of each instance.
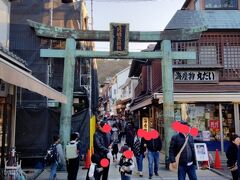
(70, 53)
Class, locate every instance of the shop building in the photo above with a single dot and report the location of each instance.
(206, 90)
(38, 116)
(13, 74)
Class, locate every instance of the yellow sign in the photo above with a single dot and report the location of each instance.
(145, 123)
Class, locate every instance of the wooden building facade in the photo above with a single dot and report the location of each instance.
(206, 90)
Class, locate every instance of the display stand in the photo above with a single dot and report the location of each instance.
(201, 153)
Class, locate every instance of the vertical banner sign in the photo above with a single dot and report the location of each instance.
(145, 123)
(119, 38)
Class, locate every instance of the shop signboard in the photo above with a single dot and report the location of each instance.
(214, 124)
(119, 38)
(201, 153)
(145, 123)
(201, 76)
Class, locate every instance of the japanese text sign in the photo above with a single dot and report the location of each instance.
(119, 38)
(181, 76)
(214, 124)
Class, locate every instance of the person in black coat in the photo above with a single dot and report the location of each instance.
(232, 155)
(102, 147)
(139, 150)
(153, 146)
(129, 130)
(187, 160)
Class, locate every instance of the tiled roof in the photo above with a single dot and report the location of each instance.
(13, 59)
(4, 50)
(213, 19)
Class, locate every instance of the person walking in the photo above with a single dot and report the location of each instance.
(232, 156)
(187, 159)
(154, 146)
(114, 138)
(129, 130)
(60, 160)
(102, 147)
(138, 150)
(73, 156)
(126, 165)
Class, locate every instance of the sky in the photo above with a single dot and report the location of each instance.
(142, 15)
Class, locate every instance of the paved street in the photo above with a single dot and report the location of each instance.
(114, 174)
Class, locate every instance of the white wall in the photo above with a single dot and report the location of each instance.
(134, 83)
(114, 91)
(129, 87)
(121, 79)
(4, 22)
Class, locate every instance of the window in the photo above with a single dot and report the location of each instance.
(231, 57)
(183, 47)
(208, 55)
(191, 61)
(221, 4)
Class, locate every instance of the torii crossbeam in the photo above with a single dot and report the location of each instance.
(70, 53)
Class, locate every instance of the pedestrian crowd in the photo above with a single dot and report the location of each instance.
(107, 148)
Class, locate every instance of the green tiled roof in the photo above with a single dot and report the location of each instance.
(213, 19)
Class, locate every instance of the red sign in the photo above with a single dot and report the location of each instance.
(214, 124)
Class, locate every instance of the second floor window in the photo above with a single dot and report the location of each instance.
(231, 57)
(221, 4)
(207, 55)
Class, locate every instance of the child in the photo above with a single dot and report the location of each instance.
(95, 170)
(126, 165)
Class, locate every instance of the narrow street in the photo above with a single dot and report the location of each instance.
(114, 174)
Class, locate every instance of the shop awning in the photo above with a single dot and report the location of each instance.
(141, 104)
(14, 75)
(201, 97)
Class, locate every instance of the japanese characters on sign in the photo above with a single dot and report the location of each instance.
(145, 123)
(214, 124)
(119, 38)
(195, 76)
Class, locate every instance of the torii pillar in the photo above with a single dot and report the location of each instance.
(68, 85)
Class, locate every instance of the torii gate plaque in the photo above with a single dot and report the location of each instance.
(70, 53)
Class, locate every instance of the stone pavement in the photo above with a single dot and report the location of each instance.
(224, 171)
(163, 173)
